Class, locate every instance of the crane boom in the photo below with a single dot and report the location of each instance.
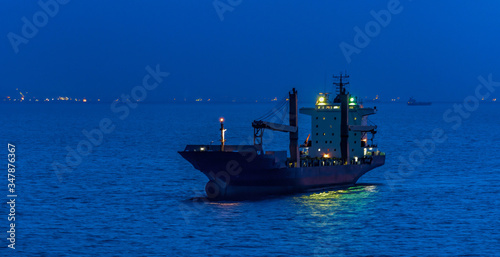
(273, 126)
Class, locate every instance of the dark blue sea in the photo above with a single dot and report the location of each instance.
(133, 195)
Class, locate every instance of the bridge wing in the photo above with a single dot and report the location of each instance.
(362, 128)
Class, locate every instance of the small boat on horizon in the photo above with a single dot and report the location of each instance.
(413, 102)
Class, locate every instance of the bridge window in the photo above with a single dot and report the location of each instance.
(317, 134)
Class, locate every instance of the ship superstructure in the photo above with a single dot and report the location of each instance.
(326, 132)
(337, 152)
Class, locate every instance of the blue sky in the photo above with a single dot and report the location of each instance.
(432, 50)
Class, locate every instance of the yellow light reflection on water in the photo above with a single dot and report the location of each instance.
(328, 203)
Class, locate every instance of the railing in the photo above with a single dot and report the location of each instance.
(227, 148)
(324, 162)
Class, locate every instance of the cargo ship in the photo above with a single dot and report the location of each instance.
(337, 152)
(413, 102)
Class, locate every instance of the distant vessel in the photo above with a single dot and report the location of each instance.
(412, 101)
(338, 152)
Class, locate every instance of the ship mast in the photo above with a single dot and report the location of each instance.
(294, 136)
(222, 135)
(343, 98)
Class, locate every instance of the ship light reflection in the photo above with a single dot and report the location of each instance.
(338, 202)
(225, 210)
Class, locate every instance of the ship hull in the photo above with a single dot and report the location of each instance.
(234, 175)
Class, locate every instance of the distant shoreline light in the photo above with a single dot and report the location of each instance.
(25, 98)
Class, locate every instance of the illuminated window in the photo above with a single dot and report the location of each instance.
(324, 118)
(324, 134)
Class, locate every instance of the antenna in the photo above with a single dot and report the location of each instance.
(340, 85)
